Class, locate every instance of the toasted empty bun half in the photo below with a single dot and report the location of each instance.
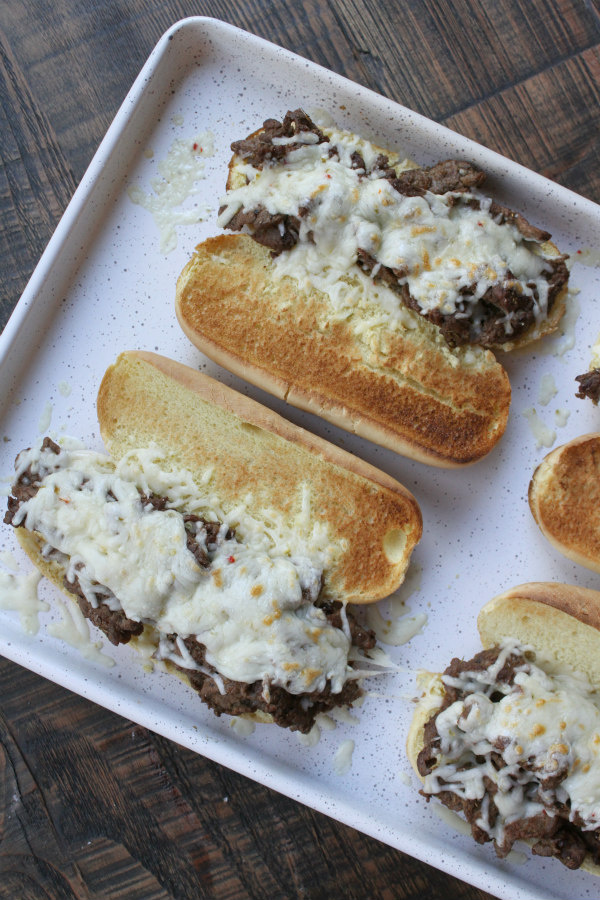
(240, 448)
(564, 497)
(401, 387)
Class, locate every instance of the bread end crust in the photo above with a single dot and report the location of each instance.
(432, 693)
(560, 621)
(550, 324)
(564, 498)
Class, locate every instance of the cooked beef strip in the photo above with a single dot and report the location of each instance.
(27, 485)
(280, 232)
(549, 835)
(117, 627)
(530, 232)
(568, 845)
(294, 711)
(259, 148)
(589, 386)
(277, 232)
(444, 177)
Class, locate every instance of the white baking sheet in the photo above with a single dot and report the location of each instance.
(104, 285)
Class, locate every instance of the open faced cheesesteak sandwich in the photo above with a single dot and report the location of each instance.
(369, 290)
(224, 535)
(564, 498)
(511, 738)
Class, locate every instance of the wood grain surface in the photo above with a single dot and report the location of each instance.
(91, 805)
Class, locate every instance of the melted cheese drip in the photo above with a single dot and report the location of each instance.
(247, 608)
(543, 435)
(74, 630)
(547, 390)
(439, 242)
(595, 360)
(19, 593)
(342, 761)
(548, 720)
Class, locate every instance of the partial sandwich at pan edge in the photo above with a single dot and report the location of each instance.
(511, 738)
(564, 498)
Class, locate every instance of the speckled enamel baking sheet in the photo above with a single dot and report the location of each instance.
(106, 283)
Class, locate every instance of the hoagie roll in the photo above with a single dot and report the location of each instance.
(369, 290)
(222, 534)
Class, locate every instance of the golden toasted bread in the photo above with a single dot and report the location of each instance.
(248, 450)
(398, 385)
(564, 497)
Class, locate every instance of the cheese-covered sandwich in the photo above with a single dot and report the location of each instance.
(369, 291)
(226, 537)
(510, 739)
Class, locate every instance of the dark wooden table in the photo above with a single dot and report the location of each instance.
(91, 805)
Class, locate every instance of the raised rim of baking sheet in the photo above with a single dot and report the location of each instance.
(106, 283)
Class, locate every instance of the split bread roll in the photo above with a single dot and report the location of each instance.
(400, 387)
(479, 270)
(564, 498)
(369, 290)
(511, 739)
(221, 534)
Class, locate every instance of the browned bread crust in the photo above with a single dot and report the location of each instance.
(405, 390)
(373, 521)
(564, 497)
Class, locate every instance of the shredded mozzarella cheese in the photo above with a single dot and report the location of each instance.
(546, 723)
(252, 608)
(439, 245)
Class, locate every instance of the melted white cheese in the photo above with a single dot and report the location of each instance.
(438, 243)
(595, 360)
(19, 593)
(543, 435)
(178, 174)
(547, 722)
(561, 417)
(395, 631)
(74, 630)
(45, 418)
(247, 608)
(342, 761)
(547, 389)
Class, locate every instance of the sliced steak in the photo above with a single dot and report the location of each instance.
(589, 386)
